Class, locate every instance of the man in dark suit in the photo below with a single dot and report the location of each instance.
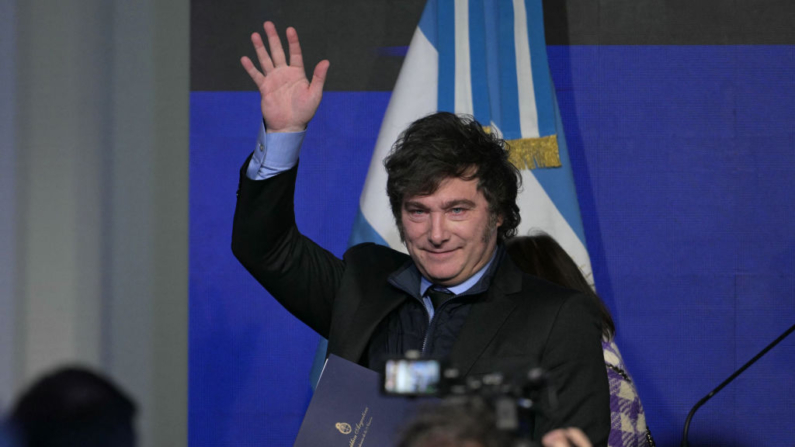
(456, 295)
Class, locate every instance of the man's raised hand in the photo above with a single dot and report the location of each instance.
(289, 100)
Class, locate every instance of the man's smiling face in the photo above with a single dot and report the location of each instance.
(451, 233)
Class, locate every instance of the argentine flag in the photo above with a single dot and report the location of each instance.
(485, 58)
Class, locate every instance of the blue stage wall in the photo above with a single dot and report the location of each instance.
(684, 158)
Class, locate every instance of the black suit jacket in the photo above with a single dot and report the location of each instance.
(523, 321)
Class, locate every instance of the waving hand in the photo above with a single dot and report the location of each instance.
(289, 100)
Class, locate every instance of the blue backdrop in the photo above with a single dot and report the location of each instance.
(684, 158)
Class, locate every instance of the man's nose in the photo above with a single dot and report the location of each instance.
(438, 233)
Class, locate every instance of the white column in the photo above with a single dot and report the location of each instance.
(63, 133)
(149, 273)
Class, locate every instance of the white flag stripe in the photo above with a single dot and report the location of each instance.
(414, 96)
(528, 115)
(540, 213)
(463, 76)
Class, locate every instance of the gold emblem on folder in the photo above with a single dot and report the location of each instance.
(343, 427)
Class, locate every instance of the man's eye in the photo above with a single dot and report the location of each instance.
(416, 212)
(457, 210)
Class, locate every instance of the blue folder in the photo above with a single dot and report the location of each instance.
(348, 409)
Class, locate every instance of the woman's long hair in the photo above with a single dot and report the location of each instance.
(541, 255)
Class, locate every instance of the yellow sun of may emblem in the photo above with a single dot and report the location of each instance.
(343, 427)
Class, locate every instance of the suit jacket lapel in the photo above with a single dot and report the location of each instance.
(370, 312)
(487, 316)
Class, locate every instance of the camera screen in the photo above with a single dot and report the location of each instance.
(412, 377)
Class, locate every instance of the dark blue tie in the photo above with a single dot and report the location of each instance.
(438, 297)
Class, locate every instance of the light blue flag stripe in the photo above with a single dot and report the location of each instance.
(542, 80)
(478, 62)
(490, 17)
(364, 232)
(446, 49)
(509, 94)
(428, 22)
(319, 362)
(559, 182)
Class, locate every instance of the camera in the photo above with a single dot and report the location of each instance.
(414, 377)
(510, 399)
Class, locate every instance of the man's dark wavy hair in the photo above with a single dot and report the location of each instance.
(444, 145)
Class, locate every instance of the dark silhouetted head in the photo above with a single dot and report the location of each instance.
(454, 425)
(74, 407)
